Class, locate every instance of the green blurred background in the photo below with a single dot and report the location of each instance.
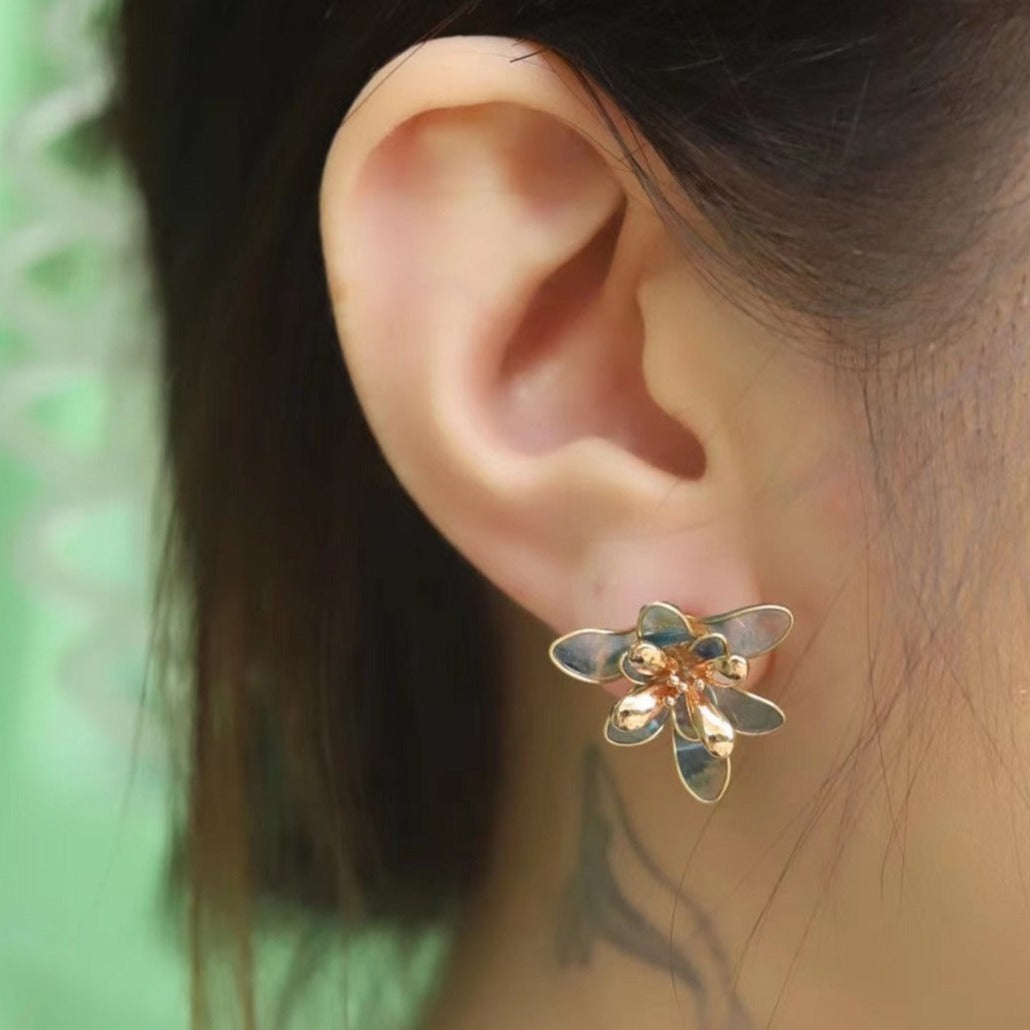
(85, 939)
(82, 797)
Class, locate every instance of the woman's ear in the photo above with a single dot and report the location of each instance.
(558, 388)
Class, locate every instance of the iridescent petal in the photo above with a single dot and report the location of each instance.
(630, 738)
(704, 775)
(663, 624)
(749, 713)
(681, 720)
(591, 655)
(710, 646)
(753, 630)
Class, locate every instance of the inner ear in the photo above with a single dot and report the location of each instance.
(574, 366)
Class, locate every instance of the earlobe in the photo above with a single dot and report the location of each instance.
(502, 294)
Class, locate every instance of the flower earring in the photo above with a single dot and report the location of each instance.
(688, 669)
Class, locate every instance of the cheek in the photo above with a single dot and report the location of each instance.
(839, 517)
(843, 506)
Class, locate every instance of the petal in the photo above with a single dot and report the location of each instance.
(704, 775)
(591, 655)
(713, 728)
(727, 671)
(663, 624)
(749, 713)
(638, 708)
(627, 670)
(710, 646)
(681, 720)
(645, 662)
(753, 630)
(630, 738)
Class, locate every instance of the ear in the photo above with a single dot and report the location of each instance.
(557, 387)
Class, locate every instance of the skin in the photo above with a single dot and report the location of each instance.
(648, 438)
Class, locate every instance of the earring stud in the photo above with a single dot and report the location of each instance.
(688, 670)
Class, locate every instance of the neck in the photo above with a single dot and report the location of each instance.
(614, 899)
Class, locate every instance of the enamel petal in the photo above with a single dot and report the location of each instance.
(748, 713)
(630, 738)
(704, 775)
(663, 624)
(754, 630)
(681, 720)
(591, 655)
(710, 647)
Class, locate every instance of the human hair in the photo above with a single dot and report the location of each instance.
(343, 701)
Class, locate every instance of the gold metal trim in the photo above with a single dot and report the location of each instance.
(699, 682)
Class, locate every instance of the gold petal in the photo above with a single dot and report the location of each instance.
(713, 728)
(727, 671)
(639, 707)
(642, 661)
(631, 738)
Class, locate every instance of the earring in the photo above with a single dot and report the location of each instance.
(688, 668)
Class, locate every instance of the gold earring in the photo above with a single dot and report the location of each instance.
(688, 668)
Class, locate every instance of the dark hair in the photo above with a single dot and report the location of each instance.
(343, 704)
